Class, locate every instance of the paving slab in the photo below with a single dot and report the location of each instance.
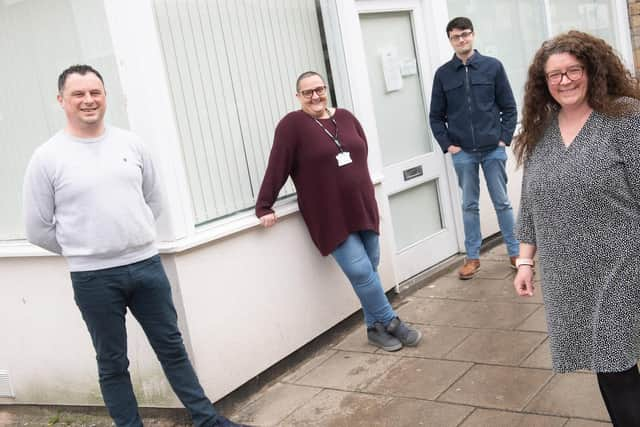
(333, 408)
(573, 395)
(467, 314)
(575, 422)
(476, 289)
(497, 387)
(450, 287)
(303, 369)
(419, 378)
(276, 404)
(497, 347)
(494, 418)
(348, 371)
(540, 358)
(437, 341)
(356, 341)
(535, 322)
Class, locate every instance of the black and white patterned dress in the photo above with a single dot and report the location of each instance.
(580, 206)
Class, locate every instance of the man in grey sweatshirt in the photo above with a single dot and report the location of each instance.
(91, 194)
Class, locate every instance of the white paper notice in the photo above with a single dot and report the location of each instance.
(391, 71)
(408, 67)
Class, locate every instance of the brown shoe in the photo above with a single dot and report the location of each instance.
(469, 269)
(512, 260)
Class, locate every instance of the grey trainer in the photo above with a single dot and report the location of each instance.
(407, 335)
(379, 337)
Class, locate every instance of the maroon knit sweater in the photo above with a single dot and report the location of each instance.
(334, 201)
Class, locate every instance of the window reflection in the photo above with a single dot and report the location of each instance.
(512, 30)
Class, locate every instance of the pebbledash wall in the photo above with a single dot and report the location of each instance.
(204, 83)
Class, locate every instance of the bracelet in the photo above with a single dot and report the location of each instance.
(525, 261)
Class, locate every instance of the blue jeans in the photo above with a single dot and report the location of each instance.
(358, 257)
(103, 297)
(494, 167)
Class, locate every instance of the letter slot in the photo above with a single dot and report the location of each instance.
(412, 173)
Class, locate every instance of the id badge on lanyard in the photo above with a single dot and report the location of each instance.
(343, 158)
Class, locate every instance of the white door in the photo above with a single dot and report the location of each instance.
(415, 177)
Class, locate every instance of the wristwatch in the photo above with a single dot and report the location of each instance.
(524, 261)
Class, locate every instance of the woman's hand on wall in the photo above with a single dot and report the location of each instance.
(268, 220)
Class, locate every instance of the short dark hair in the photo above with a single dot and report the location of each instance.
(460, 23)
(76, 69)
(304, 76)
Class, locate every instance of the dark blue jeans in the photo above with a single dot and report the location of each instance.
(103, 297)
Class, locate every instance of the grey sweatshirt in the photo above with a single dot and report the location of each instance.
(94, 201)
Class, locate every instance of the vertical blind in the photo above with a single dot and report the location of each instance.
(231, 67)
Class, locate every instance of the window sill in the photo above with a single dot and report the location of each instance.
(219, 229)
(204, 234)
(20, 249)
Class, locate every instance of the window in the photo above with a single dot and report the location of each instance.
(231, 67)
(512, 30)
(37, 41)
(592, 16)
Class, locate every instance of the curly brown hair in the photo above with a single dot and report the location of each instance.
(608, 81)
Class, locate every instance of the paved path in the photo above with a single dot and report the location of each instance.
(483, 361)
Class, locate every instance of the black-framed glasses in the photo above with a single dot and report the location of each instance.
(308, 93)
(573, 73)
(463, 35)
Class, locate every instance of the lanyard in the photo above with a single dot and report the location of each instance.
(334, 138)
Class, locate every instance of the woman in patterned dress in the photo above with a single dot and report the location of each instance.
(580, 212)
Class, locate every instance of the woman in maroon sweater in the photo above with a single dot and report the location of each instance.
(325, 153)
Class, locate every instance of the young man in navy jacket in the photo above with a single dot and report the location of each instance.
(473, 116)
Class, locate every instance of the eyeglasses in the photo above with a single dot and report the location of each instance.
(462, 35)
(573, 73)
(308, 93)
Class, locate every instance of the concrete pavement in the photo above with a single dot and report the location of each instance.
(483, 361)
